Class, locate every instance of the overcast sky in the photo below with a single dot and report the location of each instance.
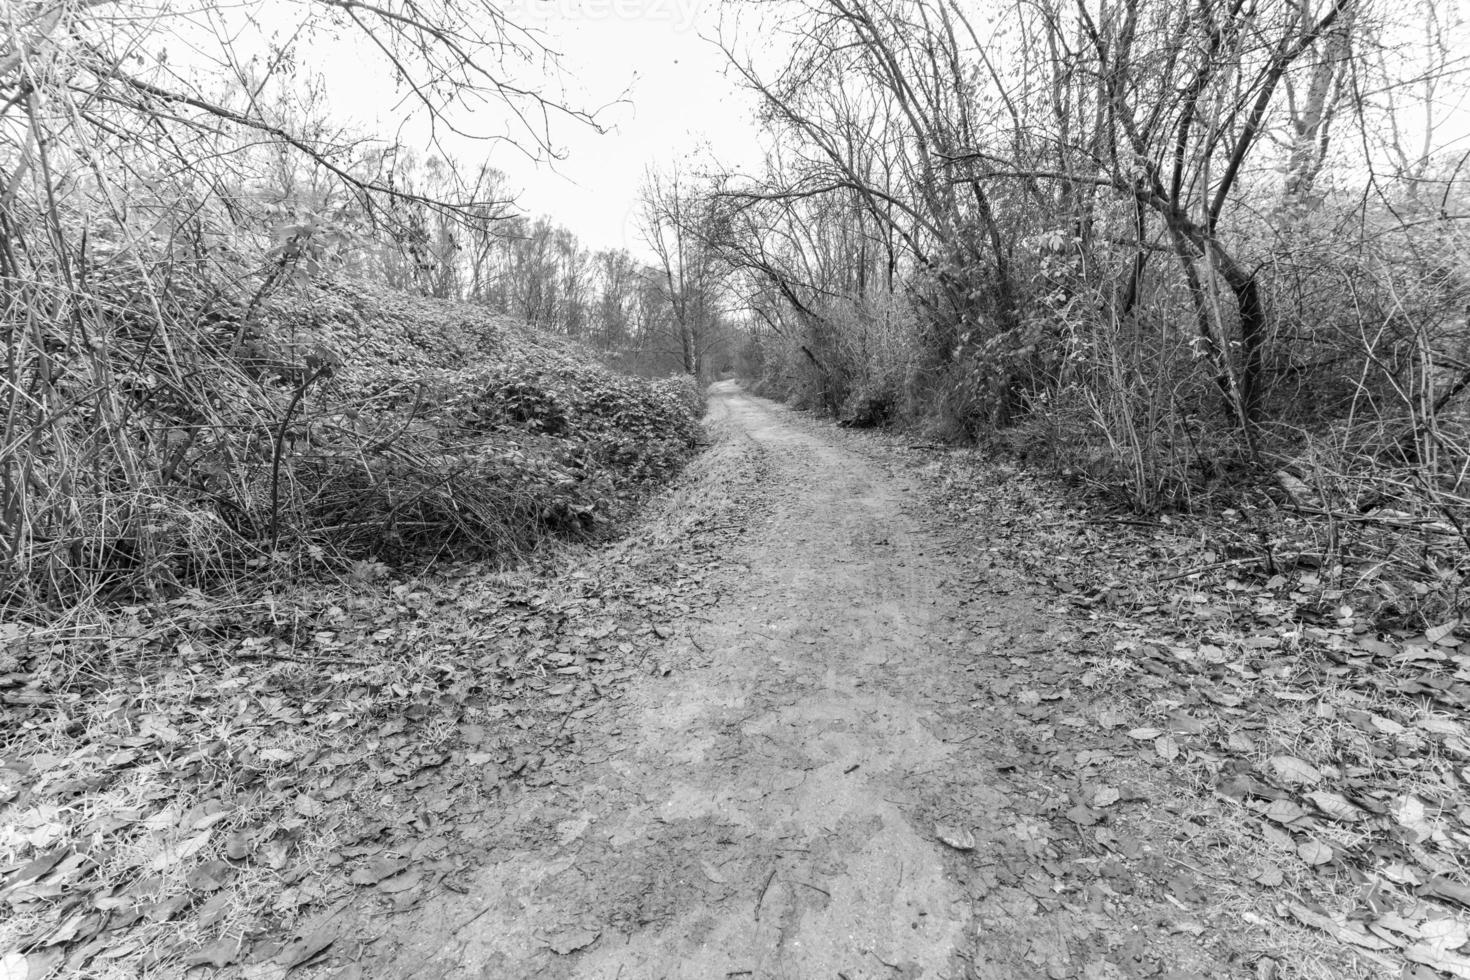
(667, 94)
(662, 89)
(680, 103)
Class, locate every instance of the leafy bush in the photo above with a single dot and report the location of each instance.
(205, 432)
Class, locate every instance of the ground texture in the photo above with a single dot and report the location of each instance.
(836, 778)
(841, 707)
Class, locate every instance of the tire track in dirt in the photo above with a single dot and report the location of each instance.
(769, 809)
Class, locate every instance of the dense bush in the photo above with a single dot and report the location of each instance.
(1177, 253)
(185, 437)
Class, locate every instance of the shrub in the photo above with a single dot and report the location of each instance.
(204, 433)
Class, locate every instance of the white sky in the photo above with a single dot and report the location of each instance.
(677, 104)
(680, 101)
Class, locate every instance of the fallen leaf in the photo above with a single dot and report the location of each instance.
(1316, 920)
(1314, 852)
(1284, 811)
(1401, 873)
(956, 837)
(237, 848)
(1105, 796)
(1167, 748)
(1409, 813)
(1339, 930)
(308, 807)
(1444, 934)
(1451, 963)
(1145, 734)
(168, 908)
(210, 819)
(1082, 816)
(1446, 890)
(36, 868)
(1436, 633)
(209, 876)
(402, 883)
(1293, 770)
(1441, 726)
(1335, 806)
(1363, 938)
(306, 948)
(1240, 742)
(213, 909)
(1386, 725)
(275, 852)
(171, 854)
(218, 954)
(72, 928)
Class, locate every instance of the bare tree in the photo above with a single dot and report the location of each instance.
(151, 200)
(681, 226)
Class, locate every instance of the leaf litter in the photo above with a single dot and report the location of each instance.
(271, 764)
(1316, 764)
(1302, 749)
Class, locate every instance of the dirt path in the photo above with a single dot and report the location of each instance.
(774, 807)
(834, 706)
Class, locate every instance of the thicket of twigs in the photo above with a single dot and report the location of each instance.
(171, 439)
(1184, 253)
(204, 383)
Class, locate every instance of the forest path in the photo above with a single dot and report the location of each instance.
(774, 808)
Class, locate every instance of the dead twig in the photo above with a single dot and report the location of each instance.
(470, 921)
(762, 896)
(1212, 567)
(1403, 523)
(241, 652)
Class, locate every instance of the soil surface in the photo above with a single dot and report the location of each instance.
(820, 782)
(836, 705)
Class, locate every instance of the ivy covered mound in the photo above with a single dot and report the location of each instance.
(328, 423)
(439, 427)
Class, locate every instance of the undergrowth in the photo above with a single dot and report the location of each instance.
(171, 439)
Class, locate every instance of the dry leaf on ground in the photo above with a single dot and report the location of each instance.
(958, 838)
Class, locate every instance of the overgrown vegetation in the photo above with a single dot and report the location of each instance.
(213, 374)
(1171, 249)
(329, 424)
